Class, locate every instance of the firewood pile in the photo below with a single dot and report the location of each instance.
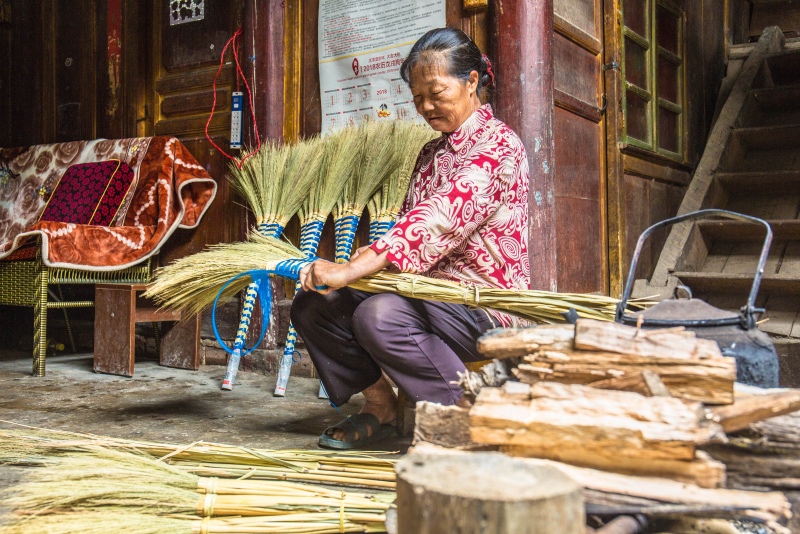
(647, 421)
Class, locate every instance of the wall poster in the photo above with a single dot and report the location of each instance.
(362, 44)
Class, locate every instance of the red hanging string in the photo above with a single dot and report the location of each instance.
(239, 75)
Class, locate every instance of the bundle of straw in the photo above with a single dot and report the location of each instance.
(273, 183)
(175, 286)
(409, 138)
(99, 484)
(23, 445)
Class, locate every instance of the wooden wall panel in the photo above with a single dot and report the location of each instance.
(647, 202)
(580, 227)
(185, 59)
(581, 79)
(579, 141)
(583, 14)
(21, 71)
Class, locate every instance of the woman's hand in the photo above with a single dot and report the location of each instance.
(325, 276)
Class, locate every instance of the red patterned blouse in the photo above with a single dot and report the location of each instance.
(465, 216)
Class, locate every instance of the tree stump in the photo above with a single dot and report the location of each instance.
(486, 493)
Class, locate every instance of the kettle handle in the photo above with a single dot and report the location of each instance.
(749, 309)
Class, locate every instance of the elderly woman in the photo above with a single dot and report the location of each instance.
(464, 219)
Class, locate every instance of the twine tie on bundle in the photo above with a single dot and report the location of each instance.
(204, 525)
(208, 505)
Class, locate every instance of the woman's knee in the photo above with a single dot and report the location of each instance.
(305, 305)
(380, 314)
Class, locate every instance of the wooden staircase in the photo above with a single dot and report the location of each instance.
(751, 165)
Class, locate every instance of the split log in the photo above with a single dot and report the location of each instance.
(487, 493)
(555, 418)
(708, 380)
(645, 383)
(672, 343)
(509, 342)
(751, 409)
(703, 471)
(604, 492)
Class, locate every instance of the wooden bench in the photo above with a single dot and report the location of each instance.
(118, 308)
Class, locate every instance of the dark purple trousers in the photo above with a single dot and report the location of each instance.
(352, 336)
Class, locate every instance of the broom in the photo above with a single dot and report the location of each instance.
(263, 181)
(229, 262)
(409, 139)
(377, 160)
(341, 152)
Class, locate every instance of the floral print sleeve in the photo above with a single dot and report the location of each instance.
(465, 215)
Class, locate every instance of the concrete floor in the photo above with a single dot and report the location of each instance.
(167, 405)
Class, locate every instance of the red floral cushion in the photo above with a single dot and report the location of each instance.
(114, 196)
(89, 193)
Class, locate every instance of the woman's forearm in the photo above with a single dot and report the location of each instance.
(323, 275)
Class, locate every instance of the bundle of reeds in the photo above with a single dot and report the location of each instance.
(409, 138)
(227, 261)
(134, 493)
(273, 182)
(23, 445)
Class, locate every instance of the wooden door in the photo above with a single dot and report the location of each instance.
(579, 131)
(667, 59)
(184, 59)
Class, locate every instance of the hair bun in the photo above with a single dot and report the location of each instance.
(488, 78)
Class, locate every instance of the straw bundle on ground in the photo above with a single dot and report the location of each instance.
(182, 285)
(22, 445)
(409, 138)
(78, 491)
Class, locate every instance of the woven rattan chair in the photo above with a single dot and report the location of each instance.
(29, 282)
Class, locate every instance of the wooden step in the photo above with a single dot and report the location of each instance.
(781, 98)
(760, 183)
(784, 67)
(777, 105)
(782, 230)
(702, 282)
(769, 137)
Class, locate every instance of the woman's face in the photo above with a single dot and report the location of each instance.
(443, 100)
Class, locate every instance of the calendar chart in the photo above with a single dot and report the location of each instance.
(361, 48)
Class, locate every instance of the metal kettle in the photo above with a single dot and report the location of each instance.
(736, 333)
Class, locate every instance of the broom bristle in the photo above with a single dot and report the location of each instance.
(303, 168)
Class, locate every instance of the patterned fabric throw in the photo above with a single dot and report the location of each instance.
(89, 193)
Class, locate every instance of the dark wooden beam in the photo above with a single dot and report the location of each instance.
(263, 38)
(522, 45)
